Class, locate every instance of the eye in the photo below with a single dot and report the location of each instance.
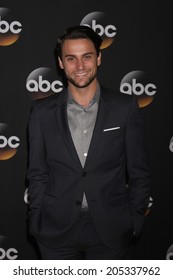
(70, 59)
(87, 57)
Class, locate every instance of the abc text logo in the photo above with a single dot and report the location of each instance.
(9, 254)
(99, 23)
(10, 28)
(9, 142)
(138, 83)
(171, 145)
(42, 82)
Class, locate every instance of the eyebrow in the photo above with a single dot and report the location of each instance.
(75, 55)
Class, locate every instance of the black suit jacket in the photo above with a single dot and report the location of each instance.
(115, 177)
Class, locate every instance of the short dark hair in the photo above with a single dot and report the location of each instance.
(79, 32)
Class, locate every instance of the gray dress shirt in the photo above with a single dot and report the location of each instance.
(81, 121)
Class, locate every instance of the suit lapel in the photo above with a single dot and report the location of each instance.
(103, 112)
(61, 115)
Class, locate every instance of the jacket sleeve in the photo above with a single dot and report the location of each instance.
(37, 174)
(138, 172)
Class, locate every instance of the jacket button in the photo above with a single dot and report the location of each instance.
(78, 203)
(84, 173)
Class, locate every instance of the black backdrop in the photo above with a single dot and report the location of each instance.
(138, 57)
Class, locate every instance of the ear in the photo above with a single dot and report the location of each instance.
(99, 59)
(60, 63)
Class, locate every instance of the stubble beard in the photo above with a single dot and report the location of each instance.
(78, 85)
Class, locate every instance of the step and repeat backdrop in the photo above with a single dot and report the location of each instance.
(136, 58)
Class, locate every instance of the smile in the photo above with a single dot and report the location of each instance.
(81, 74)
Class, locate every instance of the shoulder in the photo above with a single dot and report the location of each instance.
(48, 103)
(113, 97)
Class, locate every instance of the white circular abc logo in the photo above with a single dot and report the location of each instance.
(42, 83)
(9, 28)
(98, 22)
(136, 82)
(9, 143)
(10, 254)
(171, 145)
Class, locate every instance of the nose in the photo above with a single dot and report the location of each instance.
(80, 64)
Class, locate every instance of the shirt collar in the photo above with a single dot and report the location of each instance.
(95, 98)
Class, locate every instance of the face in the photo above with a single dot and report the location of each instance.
(79, 61)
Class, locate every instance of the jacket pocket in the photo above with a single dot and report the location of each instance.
(111, 132)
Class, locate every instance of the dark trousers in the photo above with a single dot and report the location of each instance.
(83, 244)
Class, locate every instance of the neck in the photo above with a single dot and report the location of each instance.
(83, 96)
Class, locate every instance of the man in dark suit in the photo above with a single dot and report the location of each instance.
(88, 171)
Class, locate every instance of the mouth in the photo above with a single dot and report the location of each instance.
(81, 74)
